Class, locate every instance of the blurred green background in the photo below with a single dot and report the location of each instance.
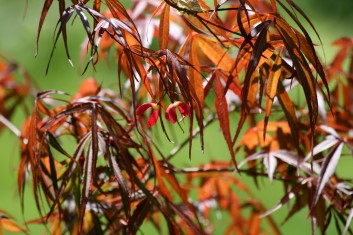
(18, 27)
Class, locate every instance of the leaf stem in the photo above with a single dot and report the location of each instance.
(11, 126)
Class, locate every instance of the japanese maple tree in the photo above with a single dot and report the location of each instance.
(95, 162)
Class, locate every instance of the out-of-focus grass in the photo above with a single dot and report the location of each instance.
(331, 18)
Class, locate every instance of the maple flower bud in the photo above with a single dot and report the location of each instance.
(170, 113)
(154, 116)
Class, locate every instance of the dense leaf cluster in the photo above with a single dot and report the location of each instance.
(94, 158)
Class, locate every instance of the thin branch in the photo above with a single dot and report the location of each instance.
(176, 149)
(11, 126)
(250, 172)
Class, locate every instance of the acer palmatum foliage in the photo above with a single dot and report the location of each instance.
(213, 61)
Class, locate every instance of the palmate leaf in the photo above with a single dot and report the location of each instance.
(173, 227)
(67, 175)
(66, 15)
(94, 142)
(214, 183)
(62, 29)
(131, 185)
(115, 28)
(119, 11)
(307, 45)
(299, 47)
(270, 161)
(324, 145)
(53, 173)
(303, 71)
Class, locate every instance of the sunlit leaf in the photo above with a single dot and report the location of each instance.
(164, 28)
(194, 75)
(11, 226)
(222, 114)
(272, 83)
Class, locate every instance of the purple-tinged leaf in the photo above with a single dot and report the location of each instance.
(85, 23)
(344, 188)
(184, 216)
(66, 176)
(324, 145)
(62, 29)
(329, 130)
(313, 225)
(259, 48)
(271, 163)
(53, 174)
(101, 28)
(117, 172)
(321, 107)
(141, 212)
(74, 109)
(253, 157)
(89, 165)
(46, 7)
(307, 46)
(44, 94)
(55, 143)
(328, 169)
(289, 111)
(86, 182)
(292, 159)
